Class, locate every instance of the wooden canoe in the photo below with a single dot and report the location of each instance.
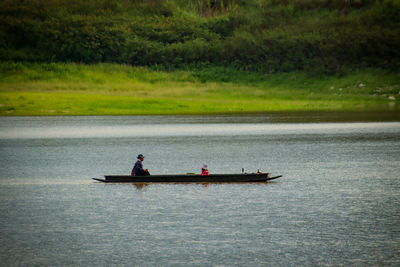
(190, 178)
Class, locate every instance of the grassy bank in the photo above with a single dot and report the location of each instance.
(78, 89)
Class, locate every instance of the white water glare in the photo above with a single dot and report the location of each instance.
(190, 129)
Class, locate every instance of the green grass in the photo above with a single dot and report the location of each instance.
(111, 89)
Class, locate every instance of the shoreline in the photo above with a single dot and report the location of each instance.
(270, 117)
(70, 89)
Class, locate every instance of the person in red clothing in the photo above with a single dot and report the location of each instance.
(204, 170)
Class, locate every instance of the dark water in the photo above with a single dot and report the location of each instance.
(338, 202)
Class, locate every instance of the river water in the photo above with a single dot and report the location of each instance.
(338, 202)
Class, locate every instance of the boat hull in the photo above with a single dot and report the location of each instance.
(190, 178)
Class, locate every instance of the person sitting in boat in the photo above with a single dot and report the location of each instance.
(138, 167)
(204, 170)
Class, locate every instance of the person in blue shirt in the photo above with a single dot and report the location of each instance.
(138, 167)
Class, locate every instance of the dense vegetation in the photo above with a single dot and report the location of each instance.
(198, 56)
(268, 36)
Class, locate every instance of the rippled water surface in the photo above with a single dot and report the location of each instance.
(338, 202)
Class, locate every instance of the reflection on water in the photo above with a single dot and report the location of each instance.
(338, 202)
(140, 186)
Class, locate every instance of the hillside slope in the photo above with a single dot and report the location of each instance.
(263, 35)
